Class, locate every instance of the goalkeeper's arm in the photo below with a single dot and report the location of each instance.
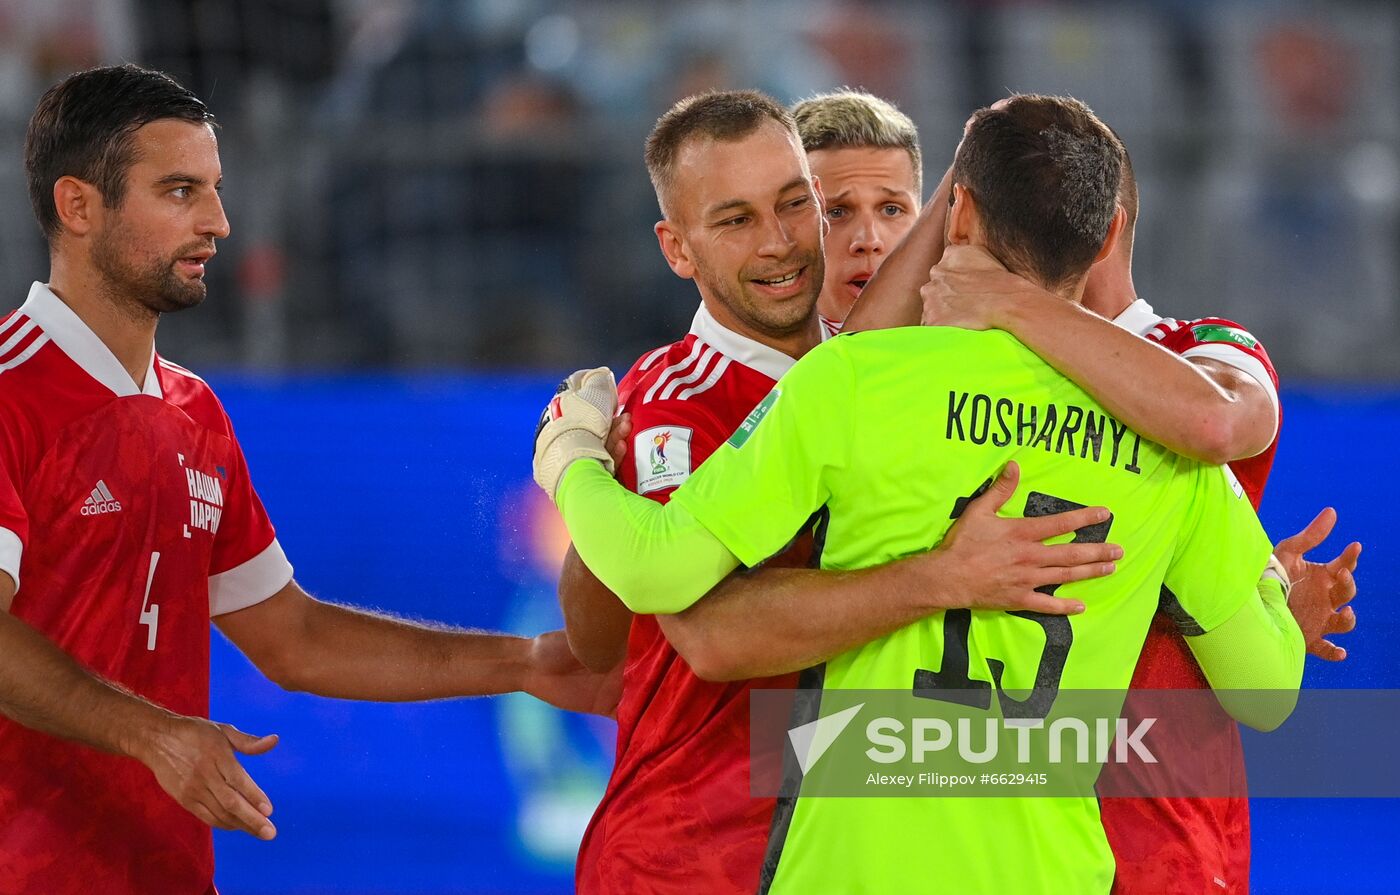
(1254, 660)
(657, 558)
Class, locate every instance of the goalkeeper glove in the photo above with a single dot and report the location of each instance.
(574, 425)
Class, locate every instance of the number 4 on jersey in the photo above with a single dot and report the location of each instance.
(150, 612)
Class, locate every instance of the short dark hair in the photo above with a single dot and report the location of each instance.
(1044, 172)
(716, 115)
(84, 127)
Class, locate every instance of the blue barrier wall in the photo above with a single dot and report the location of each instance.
(413, 494)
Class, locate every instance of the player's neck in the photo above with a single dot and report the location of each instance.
(1110, 304)
(832, 308)
(794, 344)
(1109, 290)
(128, 333)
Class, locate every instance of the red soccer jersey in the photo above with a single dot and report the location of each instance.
(1166, 846)
(677, 816)
(127, 519)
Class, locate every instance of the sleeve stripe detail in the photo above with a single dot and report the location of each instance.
(709, 382)
(653, 357)
(1237, 357)
(250, 583)
(15, 331)
(176, 368)
(1164, 328)
(696, 372)
(11, 548)
(673, 369)
(26, 354)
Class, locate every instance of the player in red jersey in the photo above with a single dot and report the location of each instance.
(128, 519)
(1211, 395)
(866, 155)
(742, 218)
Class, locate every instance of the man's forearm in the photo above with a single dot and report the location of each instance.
(43, 688)
(1166, 398)
(350, 653)
(773, 621)
(891, 298)
(655, 558)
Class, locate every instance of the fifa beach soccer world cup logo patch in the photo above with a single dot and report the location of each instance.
(663, 457)
(658, 452)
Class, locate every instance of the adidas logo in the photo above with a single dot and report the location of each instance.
(100, 501)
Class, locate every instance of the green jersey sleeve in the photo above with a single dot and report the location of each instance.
(655, 557)
(1254, 659)
(774, 472)
(1218, 559)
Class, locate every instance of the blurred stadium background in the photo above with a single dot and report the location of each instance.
(438, 206)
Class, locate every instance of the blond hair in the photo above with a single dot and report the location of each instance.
(853, 119)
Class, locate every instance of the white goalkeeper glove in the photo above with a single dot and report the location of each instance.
(575, 425)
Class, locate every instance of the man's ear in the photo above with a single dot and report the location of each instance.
(1115, 232)
(673, 246)
(78, 204)
(964, 224)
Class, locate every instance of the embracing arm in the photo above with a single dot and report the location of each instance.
(1254, 660)
(772, 620)
(1200, 408)
(655, 558)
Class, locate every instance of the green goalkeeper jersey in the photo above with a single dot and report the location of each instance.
(887, 435)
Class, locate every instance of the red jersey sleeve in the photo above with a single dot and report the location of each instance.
(670, 439)
(247, 565)
(1223, 340)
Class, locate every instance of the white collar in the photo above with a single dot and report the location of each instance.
(77, 340)
(1138, 318)
(751, 353)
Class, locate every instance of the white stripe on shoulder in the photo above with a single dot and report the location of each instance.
(695, 373)
(652, 358)
(709, 382)
(26, 354)
(176, 368)
(24, 329)
(670, 371)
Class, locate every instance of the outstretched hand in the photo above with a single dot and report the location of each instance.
(193, 760)
(989, 562)
(1321, 592)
